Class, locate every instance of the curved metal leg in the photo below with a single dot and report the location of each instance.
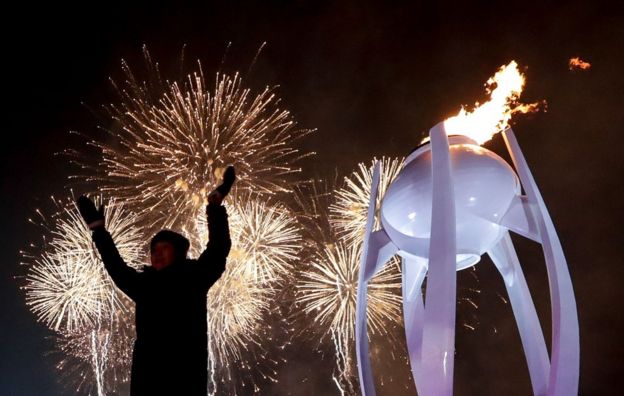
(564, 367)
(380, 251)
(377, 250)
(438, 342)
(504, 257)
(413, 273)
(365, 371)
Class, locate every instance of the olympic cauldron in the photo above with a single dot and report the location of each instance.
(452, 202)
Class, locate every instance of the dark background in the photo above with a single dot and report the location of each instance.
(372, 78)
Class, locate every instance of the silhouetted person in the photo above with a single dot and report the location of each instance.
(170, 352)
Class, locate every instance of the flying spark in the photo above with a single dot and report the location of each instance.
(577, 63)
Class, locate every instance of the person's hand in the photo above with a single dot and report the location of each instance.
(218, 195)
(92, 216)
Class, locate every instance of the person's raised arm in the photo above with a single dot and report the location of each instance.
(126, 278)
(212, 260)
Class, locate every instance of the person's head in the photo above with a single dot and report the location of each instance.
(166, 247)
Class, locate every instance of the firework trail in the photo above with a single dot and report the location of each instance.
(97, 358)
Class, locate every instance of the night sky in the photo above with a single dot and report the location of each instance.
(372, 78)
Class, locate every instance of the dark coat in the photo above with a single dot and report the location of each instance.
(170, 351)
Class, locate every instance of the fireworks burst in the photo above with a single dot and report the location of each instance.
(329, 288)
(67, 286)
(60, 296)
(349, 211)
(264, 236)
(173, 140)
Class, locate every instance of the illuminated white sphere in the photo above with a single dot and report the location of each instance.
(484, 184)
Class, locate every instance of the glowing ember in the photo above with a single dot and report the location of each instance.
(577, 63)
(492, 116)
